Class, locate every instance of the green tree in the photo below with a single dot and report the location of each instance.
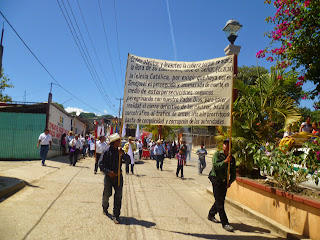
(259, 113)
(249, 75)
(4, 83)
(295, 39)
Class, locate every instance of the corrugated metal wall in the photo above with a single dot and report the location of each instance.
(19, 133)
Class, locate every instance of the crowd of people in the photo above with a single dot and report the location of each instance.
(109, 155)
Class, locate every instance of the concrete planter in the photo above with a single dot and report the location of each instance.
(300, 214)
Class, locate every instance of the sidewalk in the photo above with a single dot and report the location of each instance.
(15, 176)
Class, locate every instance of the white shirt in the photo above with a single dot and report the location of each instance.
(140, 146)
(45, 138)
(102, 146)
(75, 143)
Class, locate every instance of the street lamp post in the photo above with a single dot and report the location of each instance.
(231, 30)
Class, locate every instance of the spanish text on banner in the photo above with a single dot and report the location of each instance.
(159, 92)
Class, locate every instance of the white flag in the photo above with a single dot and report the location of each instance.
(137, 132)
(123, 132)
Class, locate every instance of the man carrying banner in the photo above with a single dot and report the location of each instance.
(109, 165)
(219, 178)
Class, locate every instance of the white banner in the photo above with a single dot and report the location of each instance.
(159, 92)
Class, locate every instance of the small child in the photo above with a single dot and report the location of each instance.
(181, 161)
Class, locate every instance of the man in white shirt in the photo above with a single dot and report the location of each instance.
(76, 147)
(102, 146)
(140, 144)
(45, 140)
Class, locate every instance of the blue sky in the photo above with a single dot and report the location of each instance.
(144, 29)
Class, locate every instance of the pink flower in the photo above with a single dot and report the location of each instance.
(306, 3)
(298, 84)
(318, 153)
(304, 97)
(260, 54)
(270, 59)
(279, 77)
(301, 78)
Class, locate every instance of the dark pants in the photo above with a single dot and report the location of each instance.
(159, 161)
(127, 167)
(201, 165)
(43, 152)
(73, 157)
(140, 154)
(179, 167)
(97, 161)
(219, 192)
(110, 183)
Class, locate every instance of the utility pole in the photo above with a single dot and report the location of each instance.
(1, 47)
(48, 107)
(119, 125)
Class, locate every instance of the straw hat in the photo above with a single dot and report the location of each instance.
(158, 141)
(114, 137)
(130, 138)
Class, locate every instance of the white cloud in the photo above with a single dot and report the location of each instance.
(105, 111)
(74, 109)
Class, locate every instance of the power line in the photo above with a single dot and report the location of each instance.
(92, 65)
(106, 37)
(80, 48)
(107, 80)
(115, 17)
(58, 84)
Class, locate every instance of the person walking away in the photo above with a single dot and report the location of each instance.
(201, 152)
(218, 177)
(169, 150)
(101, 147)
(140, 145)
(189, 151)
(76, 147)
(184, 148)
(181, 160)
(92, 147)
(159, 153)
(45, 141)
(109, 165)
(83, 142)
(69, 138)
(63, 144)
(306, 126)
(129, 148)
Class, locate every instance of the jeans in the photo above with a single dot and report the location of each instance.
(219, 192)
(159, 161)
(179, 167)
(43, 152)
(97, 162)
(127, 167)
(201, 165)
(73, 157)
(110, 183)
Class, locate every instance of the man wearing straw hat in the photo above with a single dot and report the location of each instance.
(219, 178)
(109, 164)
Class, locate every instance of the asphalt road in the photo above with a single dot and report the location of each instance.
(66, 204)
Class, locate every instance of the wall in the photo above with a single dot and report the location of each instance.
(300, 214)
(80, 127)
(59, 123)
(19, 135)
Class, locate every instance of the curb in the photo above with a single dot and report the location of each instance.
(275, 226)
(12, 189)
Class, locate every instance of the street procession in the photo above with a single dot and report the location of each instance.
(140, 120)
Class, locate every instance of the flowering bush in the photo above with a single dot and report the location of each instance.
(291, 168)
(297, 30)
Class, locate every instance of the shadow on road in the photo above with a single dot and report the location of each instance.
(247, 228)
(134, 221)
(140, 175)
(226, 237)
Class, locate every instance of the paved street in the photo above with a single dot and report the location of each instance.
(65, 203)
